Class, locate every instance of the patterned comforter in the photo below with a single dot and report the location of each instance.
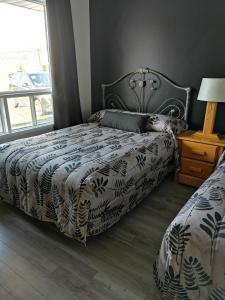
(83, 178)
(191, 262)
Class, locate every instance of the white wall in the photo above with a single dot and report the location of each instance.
(81, 27)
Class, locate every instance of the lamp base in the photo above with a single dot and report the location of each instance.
(210, 136)
(209, 122)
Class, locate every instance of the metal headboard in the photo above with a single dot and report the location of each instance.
(145, 85)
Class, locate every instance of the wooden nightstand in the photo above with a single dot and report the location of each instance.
(199, 156)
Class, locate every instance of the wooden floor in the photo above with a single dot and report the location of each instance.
(36, 262)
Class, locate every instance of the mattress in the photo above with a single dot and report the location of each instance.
(191, 261)
(83, 178)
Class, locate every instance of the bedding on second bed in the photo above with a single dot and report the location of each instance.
(191, 261)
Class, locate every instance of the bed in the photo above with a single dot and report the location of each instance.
(86, 177)
(191, 261)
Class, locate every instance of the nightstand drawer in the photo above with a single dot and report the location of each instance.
(196, 168)
(190, 180)
(199, 151)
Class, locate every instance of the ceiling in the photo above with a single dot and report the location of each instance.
(31, 4)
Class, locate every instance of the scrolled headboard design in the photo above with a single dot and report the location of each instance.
(146, 90)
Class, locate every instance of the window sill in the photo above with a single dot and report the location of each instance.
(24, 133)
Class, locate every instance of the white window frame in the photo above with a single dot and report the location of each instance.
(9, 133)
(4, 109)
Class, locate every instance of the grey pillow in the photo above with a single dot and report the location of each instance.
(122, 121)
(97, 116)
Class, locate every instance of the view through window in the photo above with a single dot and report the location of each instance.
(25, 98)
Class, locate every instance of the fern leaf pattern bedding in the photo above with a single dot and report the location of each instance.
(83, 178)
(191, 262)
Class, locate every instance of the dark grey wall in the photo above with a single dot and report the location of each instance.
(183, 39)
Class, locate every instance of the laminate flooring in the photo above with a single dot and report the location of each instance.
(37, 262)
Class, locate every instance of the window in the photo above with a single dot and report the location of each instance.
(25, 85)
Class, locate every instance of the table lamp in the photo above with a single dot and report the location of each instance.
(212, 90)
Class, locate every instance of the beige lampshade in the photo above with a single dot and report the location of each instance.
(212, 89)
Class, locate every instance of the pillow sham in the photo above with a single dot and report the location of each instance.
(97, 116)
(164, 123)
(123, 121)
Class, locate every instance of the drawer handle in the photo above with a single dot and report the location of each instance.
(195, 169)
(198, 152)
